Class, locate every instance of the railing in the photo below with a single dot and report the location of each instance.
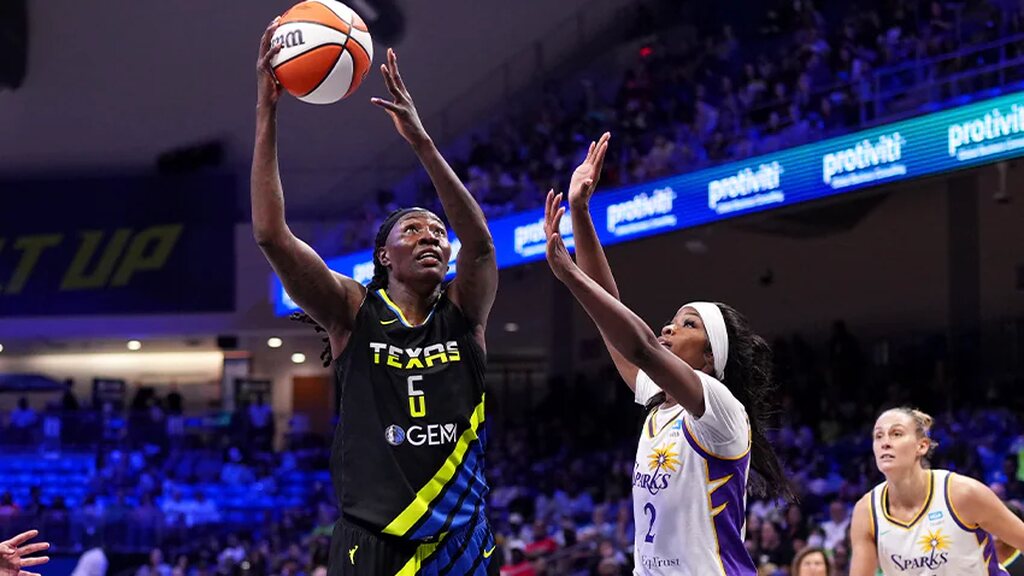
(503, 85)
(71, 530)
(902, 90)
(905, 90)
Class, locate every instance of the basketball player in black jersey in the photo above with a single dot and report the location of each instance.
(409, 356)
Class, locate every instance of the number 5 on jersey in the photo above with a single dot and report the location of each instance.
(417, 400)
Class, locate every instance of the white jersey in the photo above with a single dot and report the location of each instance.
(935, 542)
(689, 486)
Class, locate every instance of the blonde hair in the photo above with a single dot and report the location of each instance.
(922, 428)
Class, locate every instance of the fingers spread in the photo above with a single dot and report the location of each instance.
(389, 106)
(33, 548)
(23, 537)
(35, 561)
(393, 59)
(389, 81)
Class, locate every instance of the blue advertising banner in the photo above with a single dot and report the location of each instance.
(117, 246)
(970, 135)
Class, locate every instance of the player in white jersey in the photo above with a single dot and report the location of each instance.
(703, 432)
(923, 522)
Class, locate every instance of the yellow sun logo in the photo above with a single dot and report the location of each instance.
(933, 542)
(664, 458)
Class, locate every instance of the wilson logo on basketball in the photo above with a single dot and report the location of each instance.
(288, 39)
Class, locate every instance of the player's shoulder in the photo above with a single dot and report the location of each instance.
(353, 290)
(862, 524)
(864, 502)
(964, 489)
(714, 386)
(722, 398)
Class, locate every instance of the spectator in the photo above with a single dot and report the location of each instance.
(261, 424)
(811, 562)
(23, 421)
(93, 561)
(837, 525)
(7, 505)
(156, 565)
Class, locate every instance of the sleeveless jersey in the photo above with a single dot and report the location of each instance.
(1014, 565)
(935, 542)
(407, 457)
(689, 486)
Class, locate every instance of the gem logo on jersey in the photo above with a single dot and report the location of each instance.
(660, 460)
(934, 545)
(431, 435)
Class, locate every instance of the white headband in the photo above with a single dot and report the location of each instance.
(714, 325)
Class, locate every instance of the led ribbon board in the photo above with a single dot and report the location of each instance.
(969, 135)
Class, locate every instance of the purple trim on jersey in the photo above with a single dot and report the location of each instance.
(988, 550)
(949, 505)
(728, 524)
(874, 516)
(989, 554)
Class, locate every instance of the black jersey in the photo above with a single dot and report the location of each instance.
(1014, 565)
(407, 458)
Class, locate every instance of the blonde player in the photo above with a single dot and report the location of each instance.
(704, 431)
(923, 522)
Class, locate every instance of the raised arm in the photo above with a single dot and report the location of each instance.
(476, 281)
(589, 253)
(623, 329)
(862, 538)
(329, 298)
(978, 505)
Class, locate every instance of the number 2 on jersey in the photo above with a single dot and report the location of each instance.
(649, 538)
(417, 400)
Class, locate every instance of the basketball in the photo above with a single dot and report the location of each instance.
(326, 51)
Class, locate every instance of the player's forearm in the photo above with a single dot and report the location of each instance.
(590, 255)
(266, 192)
(464, 214)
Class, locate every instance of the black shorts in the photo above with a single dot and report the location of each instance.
(358, 552)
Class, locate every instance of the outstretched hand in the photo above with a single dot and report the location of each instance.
(401, 108)
(559, 260)
(588, 173)
(268, 88)
(13, 556)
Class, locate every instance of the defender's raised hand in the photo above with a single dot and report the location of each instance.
(559, 260)
(588, 173)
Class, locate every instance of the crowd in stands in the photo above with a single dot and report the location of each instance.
(560, 479)
(224, 502)
(702, 96)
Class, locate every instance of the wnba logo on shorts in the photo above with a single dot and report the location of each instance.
(394, 434)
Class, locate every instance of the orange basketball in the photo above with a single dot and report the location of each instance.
(326, 51)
